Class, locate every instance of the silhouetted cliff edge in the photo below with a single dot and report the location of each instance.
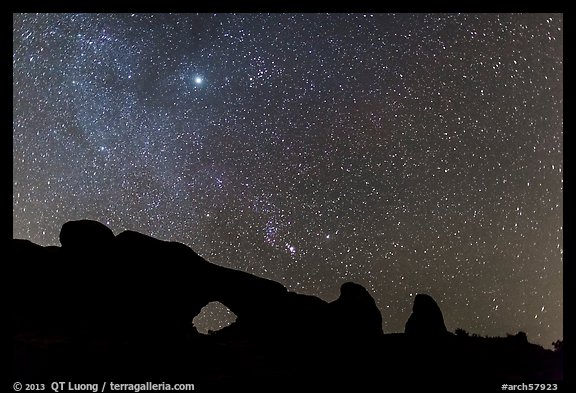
(106, 307)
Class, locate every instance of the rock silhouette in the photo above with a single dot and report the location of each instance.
(134, 278)
(105, 307)
(85, 234)
(357, 312)
(426, 318)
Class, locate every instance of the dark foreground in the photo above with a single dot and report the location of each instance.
(105, 308)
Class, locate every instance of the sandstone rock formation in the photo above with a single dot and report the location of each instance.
(133, 285)
(426, 318)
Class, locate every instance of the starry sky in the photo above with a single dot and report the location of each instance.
(410, 153)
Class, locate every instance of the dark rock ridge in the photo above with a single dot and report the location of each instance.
(426, 318)
(133, 285)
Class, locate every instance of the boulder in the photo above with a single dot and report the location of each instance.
(85, 235)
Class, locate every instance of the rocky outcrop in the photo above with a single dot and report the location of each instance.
(138, 287)
(426, 318)
(356, 312)
(85, 234)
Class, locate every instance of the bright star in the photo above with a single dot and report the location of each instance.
(198, 80)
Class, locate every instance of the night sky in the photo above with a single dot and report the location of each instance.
(410, 153)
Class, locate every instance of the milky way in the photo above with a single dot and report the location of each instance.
(408, 153)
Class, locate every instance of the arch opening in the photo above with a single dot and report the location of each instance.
(213, 317)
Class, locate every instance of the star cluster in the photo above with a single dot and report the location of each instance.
(411, 153)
